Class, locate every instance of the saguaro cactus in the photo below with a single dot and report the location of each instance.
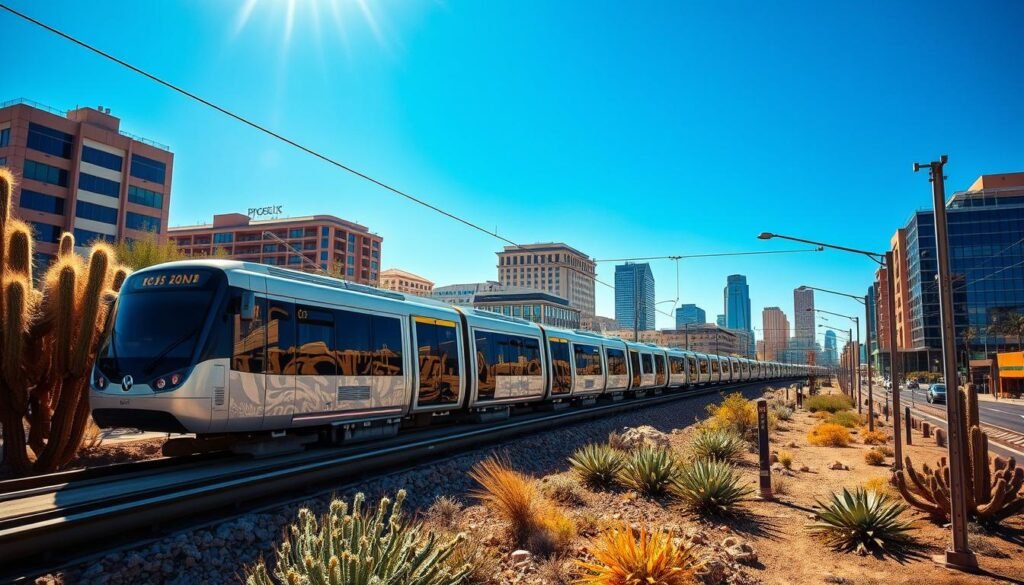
(993, 486)
(49, 334)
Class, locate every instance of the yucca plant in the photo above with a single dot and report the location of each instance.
(651, 558)
(649, 470)
(718, 444)
(709, 487)
(862, 521)
(361, 546)
(598, 465)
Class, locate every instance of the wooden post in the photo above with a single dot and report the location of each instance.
(762, 447)
(926, 429)
(910, 426)
(940, 437)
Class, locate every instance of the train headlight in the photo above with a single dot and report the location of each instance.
(175, 379)
(100, 381)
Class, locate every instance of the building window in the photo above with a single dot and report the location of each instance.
(49, 140)
(99, 185)
(148, 169)
(5, 137)
(45, 232)
(323, 256)
(351, 271)
(269, 248)
(45, 173)
(3, 160)
(325, 231)
(42, 202)
(102, 158)
(294, 259)
(86, 237)
(145, 197)
(101, 213)
(323, 242)
(223, 238)
(295, 233)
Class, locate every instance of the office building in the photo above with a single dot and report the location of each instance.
(776, 332)
(650, 336)
(831, 349)
(600, 324)
(759, 346)
(79, 172)
(871, 321)
(881, 285)
(552, 267)
(532, 305)
(687, 314)
(803, 318)
(706, 338)
(634, 296)
(315, 243)
(720, 320)
(462, 294)
(736, 297)
(405, 282)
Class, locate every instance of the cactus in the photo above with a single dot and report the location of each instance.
(49, 332)
(992, 486)
(361, 547)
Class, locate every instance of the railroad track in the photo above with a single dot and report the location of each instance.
(46, 527)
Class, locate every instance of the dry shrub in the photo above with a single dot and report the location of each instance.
(873, 437)
(555, 571)
(651, 558)
(484, 566)
(872, 457)
(736, 414)
(846, 418)
(781, 485)
(822, 415)
(92, 436)
(828, 402)
(564, 490)
(885, 450)
(829, 435)
(534, 522)
(786, 459)
(443, 513)
(880, 485)
(615, 441)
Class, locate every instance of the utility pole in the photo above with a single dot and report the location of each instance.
(894, 369)
(867, 351)
(960, 555)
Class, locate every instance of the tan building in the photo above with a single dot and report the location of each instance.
(759, 350)
(555, 268)
(899, 261)
(648, 336)
(706, 338)
(776, 332)
(529, 304)
(405, 282)
(882, 309)
(315, 243)
(79, 172)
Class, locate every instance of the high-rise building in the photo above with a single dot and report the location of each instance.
(315, 243)
(871, 321)
(803, 317)
(551, 267)
(79, 172)
(689, 314)
(634, 296)
(720, 320)
(776, 332)
(405, 282)
(831, 349)
(736, 297)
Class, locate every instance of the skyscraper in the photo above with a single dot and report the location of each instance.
(776, 332)
(736, 296)
(720, 320)
(689, 314)
(830, 347)
(634, 296)
(803, 317)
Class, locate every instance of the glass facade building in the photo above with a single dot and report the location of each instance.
(634, 296)
(736, 299)
(689, 314)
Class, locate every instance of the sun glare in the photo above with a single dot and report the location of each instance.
(298, 16)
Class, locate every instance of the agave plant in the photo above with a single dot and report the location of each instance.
(718, 444)
(709, 487)
(861, 521)
(649, 470)
(597, 465)
(651, 558)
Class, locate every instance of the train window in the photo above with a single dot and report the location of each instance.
(561, 374)
(692, 366)
(634, 363)
(250, 338)
(314, 332)
(280, 337)
(353, 348)
(714, 366)
(499, 354)
(648, 362)
(659, 369)
(438, 352)
(616, 362)
(488, 356)
(588, 360)
(705, 368)
(677, 365)
(387, 346)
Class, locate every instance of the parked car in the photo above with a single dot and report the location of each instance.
(912, 385)
(936, 393)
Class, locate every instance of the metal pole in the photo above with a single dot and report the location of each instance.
(849, 359)
(867, 346)
(960, 554)
(856, 349)
(894, 369)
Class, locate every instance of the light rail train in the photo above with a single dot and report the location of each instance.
(228, 350)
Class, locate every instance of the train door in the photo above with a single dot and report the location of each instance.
(636, 373)
(247, 387)
(660, 370)
(279, 407)
(437, 381)
(562, 370)
(314, 365)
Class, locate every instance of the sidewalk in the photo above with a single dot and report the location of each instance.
(991, 398)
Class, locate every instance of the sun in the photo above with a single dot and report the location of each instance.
(314, 14)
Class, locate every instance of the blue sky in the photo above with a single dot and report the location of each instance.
(623, 129)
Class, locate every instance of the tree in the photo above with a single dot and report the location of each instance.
(149, 250)
(1010, 325)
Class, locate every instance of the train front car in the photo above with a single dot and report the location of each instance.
(151, 372)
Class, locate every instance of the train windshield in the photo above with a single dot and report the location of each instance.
(159, 320)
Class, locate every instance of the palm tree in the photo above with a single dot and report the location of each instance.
(969, 335)
(1011, 325)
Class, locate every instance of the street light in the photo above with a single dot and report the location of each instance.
(854, 377)
(886, 261)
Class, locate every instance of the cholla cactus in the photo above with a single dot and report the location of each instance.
(993, 486)
(49, 332)
(357, 547)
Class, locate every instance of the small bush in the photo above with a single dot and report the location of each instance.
(483, 565)
(555, 571)
(649, 471)
(846, 418)
(443, 513)
(880, 485)
(873, 437)
(786, 459)
(828, 402)
(829, 435)
(736, 414)
(783, 413)
(719, 444)
(822, 415)
(872, 457)
(616, 442)
(781, 485)
(862, 521)
(885, 450)
(650, 558)
(710, 488)
(564, 490)
(333, 549)
(597, 465)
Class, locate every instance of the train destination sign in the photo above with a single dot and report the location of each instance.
(264, 211)
(170, 279)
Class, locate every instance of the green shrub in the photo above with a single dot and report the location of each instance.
(863, 521)
(846, 418)
(597, 465)
(782, 413)
(828, 402)
(361, 547)
(709, 487)
(718, 444)
(649, 471)
(786, 459)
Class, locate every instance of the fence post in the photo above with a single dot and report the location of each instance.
(762, 447)
(926, 429)
(906, 412)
